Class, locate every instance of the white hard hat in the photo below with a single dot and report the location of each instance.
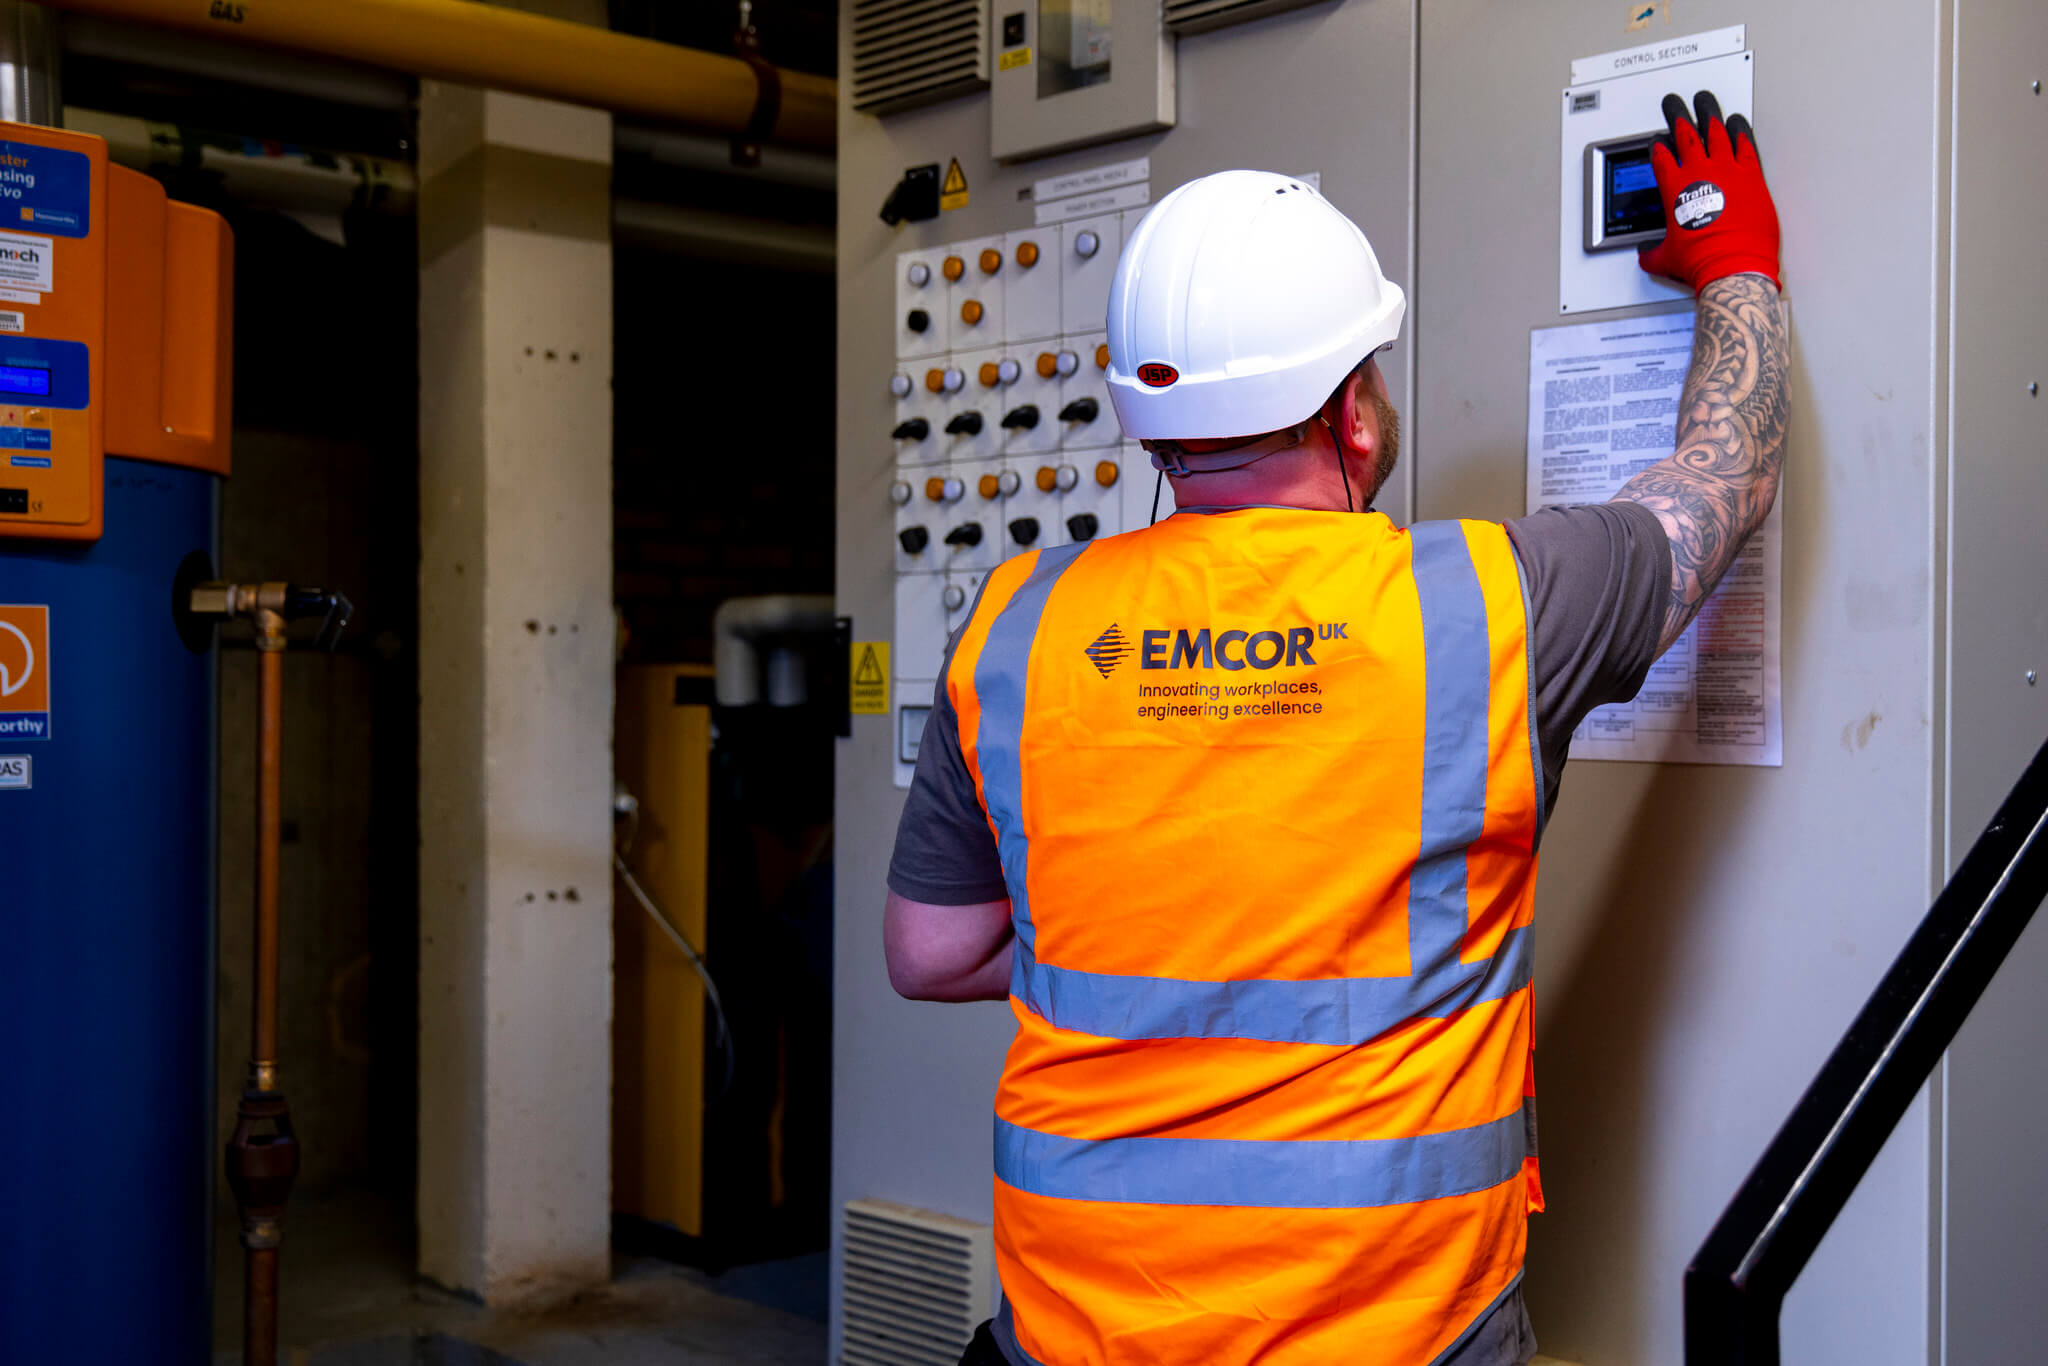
(1239, 304)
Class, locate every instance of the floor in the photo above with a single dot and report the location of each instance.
(350, 1299)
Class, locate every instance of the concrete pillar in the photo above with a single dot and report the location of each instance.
(516, 645)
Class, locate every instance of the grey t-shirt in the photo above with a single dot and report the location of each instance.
(1599, 581)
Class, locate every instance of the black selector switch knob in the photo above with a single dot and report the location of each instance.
(965, 424)
(1080, 410)
(913, 539)
(1023, 417)
(1024, 530)
(1082, 526)
(918, 320)
(967, 533)
(912, 429)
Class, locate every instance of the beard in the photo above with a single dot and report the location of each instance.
(1389, 448)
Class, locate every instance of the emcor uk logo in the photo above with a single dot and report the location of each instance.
(1282, 647)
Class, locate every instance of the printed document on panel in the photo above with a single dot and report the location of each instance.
(1603, 406)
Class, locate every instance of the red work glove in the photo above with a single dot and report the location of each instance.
(1721, 219)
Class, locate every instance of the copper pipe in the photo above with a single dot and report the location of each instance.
(507, 49)
(259, 1307)
(269, 827)
(262, 1155)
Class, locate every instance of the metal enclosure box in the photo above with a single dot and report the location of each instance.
(1097, 82)
(663, 757)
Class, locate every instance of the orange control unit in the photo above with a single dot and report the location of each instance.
(116, 330)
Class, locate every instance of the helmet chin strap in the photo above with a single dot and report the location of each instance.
(1171, 457)
(1174, 458)
(1337, 447)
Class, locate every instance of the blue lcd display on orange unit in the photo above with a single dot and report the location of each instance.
(24, 379)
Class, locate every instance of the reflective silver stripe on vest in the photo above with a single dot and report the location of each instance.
(1269, 1174)
(1457, 691)
(1001, 675)
(1324, 1010)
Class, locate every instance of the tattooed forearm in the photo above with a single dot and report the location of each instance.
(1718, 486)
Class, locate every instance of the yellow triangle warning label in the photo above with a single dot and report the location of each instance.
(867, 691)
(953, 190)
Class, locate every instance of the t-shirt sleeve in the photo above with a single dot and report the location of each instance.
(945, 852)
(1599, 583)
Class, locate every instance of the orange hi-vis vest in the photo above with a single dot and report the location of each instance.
(1266, 792)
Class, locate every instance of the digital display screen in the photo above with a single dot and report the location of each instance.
(1627, 177)
(24, 379)
(1631, 204)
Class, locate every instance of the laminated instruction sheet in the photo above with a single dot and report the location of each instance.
(1603, 406)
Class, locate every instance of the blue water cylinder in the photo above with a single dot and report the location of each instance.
(107, 867)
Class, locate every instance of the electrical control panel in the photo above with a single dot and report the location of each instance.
(115, 330)
(1609, 203)
(998, 414)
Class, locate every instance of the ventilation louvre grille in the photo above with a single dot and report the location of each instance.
(914, 1285)
(1199, 16)
(912, 52)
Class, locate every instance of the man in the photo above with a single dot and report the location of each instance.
(1240, 811)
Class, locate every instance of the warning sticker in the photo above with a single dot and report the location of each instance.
(868, 689)
(1014, 58)
(26, 260)
(11, 321)
(24, 672)
(952, 191)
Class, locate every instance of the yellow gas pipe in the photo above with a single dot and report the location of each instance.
(505, 49)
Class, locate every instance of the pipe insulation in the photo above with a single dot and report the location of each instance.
(319, 186)
(742, 626)
(271, 174)
(302, 75)
(504, 49)
(677, 151)
(712, 236)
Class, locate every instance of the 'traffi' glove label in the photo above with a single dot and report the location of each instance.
(1699, 204)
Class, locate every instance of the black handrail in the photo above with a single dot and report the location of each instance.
(1738, 1279)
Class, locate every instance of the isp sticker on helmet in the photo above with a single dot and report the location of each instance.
(1157, 374)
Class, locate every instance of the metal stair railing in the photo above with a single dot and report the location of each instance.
(1738, 1279)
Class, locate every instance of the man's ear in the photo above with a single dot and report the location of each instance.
(1360, 419)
